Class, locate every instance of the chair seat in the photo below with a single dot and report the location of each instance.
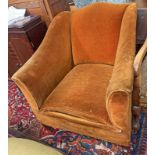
(81, 93)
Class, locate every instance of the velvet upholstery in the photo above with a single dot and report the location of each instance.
(122, 76)
(74, 93)
(95, 37)
(84, 84)
(49, 64)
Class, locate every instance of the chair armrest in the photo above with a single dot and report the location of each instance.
(119, 92)
(118, 95)
(139, 58)
(139, 91)
(48, 65)
(118, 105)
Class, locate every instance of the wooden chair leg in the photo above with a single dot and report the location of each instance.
(136, 117)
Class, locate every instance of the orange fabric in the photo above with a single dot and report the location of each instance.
(94, 98)
(84, 127)
(122, 77)
(49, 64)
(82, 93)
(95, 33)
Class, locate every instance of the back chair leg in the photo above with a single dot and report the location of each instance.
(136, 117)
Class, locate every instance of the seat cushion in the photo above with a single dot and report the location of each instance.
(82, 93)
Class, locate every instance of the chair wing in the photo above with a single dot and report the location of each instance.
(50, 63)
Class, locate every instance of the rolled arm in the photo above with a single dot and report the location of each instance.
(118, 95)
(49, 64)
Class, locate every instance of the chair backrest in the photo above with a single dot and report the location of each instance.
(95, 31)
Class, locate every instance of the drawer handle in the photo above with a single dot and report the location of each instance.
(18, 65)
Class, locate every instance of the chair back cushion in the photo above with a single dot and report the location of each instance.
(95, 32)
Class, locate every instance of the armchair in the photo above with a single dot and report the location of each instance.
(81, 77)
(139, 95)
(139, 91)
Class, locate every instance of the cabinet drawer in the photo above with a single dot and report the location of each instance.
(20, 50)
(14, 62)
(21, 46)
(23, 42)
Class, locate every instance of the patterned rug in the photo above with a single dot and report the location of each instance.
(23, 123)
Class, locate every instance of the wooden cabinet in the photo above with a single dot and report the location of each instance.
(56, 6)
(141, 30)
(140, 3)
(23, 42)
(47, 9)
(34, 7)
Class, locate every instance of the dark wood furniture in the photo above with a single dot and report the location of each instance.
(54, 7)
(47, 9)
(139, 98)
(140, 3)
(141, 27)
(34, 7)
(23, 42)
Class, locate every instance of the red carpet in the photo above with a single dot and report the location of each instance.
(23, 123)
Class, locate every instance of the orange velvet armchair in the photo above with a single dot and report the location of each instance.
(81, 77)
